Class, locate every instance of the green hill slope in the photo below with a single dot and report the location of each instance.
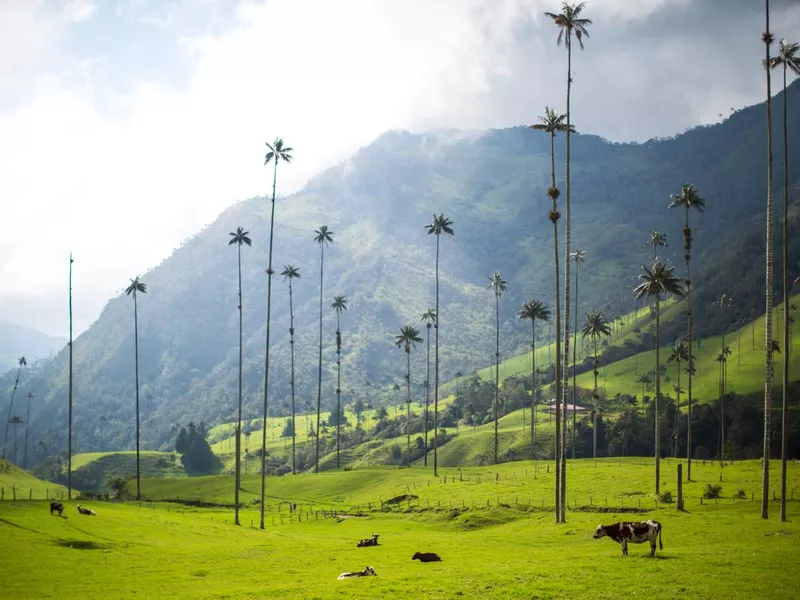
(15, 481)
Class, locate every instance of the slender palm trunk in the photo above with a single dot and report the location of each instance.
(768, 366)
(658, 393)
(436, 372)
(786, 345)
(427, 394)
(574, 365)
(687, 234)
(557, 336)
(10, 408)
(238, 477)
(266, 360)
(723, 391)
(136, 360)
(533, 386)
(677, 414)
(338, 389)
(69, 433)
(594, 398)
(27, 423)
(294, 412)
(319, 371)
(496, 376)
(408, 400)
(567, 248)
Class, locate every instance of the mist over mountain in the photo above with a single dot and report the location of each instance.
(491, 184)
(17, 341)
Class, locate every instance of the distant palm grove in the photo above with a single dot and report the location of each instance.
(569, 356)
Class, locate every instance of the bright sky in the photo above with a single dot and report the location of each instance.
(126, 125)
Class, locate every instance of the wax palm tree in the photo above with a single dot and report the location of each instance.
(323, 237)
(679, 353)
(498, 285)
(724, 303)
(276, 152)
(596, 326)
(437, 227)
(136, 287)
(339, 305)
(408, 338)
(688, 199)
(769, 367)
(429, 318)
(570, 24)
(656, 281)
(21, 362)
(69, 389)
(656, 241)
(533, 309)
(578, 257)
(552, 123)
(291, 272)
(240, 237)
(27, 422)
(788, 58)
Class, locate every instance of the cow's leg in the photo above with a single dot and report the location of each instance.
(624, 545)
(652, 547)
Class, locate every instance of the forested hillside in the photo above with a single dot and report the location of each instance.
(492, 185)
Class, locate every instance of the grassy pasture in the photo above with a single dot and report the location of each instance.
(160, 550)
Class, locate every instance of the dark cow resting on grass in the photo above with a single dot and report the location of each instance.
(86, 511)
(365, 573)
(373, 541)
(426, 557)
(56, 507)
(632, 532)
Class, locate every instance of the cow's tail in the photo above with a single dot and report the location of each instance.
(660, 529)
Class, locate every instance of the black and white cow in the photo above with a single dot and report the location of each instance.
(426, 557)
(636, 532)
(368, 571)
(56, 507)
(86, 511)
(373, 541)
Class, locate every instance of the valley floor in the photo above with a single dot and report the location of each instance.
(717, 549)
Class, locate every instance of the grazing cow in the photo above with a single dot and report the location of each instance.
(633, 532)
(56, 507)
(373, 541)
(86, 511)
(426, 557)
(365, 573)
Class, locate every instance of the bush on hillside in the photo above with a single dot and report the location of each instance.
(712, 491)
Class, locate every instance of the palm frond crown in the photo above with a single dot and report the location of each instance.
(498, 284)
(660, 279)
(409, 336)
(240, 237)
(339, 304)
(277, 151)
(440, 225)
(570, 23)
(136, 286)
(324, 235)
(290, 272)
(688, 198)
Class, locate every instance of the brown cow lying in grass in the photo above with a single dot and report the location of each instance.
(56, 507)
(373, 541)
(365, 573)
(633, 532)
(86, 511)
(426, 557)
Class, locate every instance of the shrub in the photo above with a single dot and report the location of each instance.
(666, 497)
(712, 491)
(740, 494)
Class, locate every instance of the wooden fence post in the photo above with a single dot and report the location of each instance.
(680, 486)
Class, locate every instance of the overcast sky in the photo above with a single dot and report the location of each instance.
(126, 125)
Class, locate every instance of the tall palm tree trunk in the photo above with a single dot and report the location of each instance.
(658, 393)
(768, 366)
(677, 414)
(319, 371)
(786, 345)
(266, 360)
(27, 423)
(594, 399)
(294, 411)
(10, 409)
(136, 360)
(688, 249)
(338, 389)
(238, 477)
(496, 376)
(408, 401)
(427, 397)
(533, 386)
(69, 433)
(574, 365)
(567, 249)
(436, 372)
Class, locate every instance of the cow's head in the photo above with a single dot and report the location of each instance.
(416, 556)
(599, 532)
(369, 571)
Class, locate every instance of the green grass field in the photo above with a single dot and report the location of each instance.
(718, 549)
